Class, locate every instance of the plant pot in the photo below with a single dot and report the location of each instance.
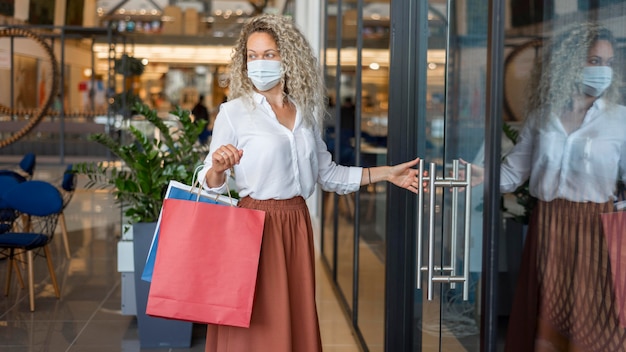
(153, 332)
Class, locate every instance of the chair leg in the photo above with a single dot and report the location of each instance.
(53, 276)
(64, 233)
(26, 221)
(10, 263)
(31, 280)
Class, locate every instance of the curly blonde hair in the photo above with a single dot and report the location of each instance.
(557, 75)
(302, 79)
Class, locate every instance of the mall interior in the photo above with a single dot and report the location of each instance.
(442, 80)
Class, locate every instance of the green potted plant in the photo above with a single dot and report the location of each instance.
(147, 162)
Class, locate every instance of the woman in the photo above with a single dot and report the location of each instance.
(269, 133)
(572, 150)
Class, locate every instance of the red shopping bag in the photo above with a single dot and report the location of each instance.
(206, 263)
(614, 225)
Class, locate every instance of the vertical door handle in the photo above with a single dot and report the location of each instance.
(454, 183)
(420, 223)
(431, 229)
(454, 213)
(467, 231)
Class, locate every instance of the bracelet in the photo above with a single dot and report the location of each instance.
(369, 175)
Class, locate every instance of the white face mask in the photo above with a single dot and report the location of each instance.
(264, 74)
(596, 79)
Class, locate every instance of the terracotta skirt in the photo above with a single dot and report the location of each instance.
(565, 282)
(284, 314)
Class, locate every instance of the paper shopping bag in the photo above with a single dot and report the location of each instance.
(614, 225)
(206, 263)
(178, 190)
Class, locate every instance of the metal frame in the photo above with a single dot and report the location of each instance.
(52, 34)
(408, 47)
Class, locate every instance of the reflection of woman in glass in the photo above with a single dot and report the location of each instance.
(572, 150)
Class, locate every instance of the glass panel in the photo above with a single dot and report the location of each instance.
(373, 110)
(464, 139)
(456, 74)
(330, 67)
(345, 142)
(577, 133)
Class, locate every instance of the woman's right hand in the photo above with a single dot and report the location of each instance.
(223, 158)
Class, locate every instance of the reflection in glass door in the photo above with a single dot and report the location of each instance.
(443, 52)
(449, 235)
(415, 73)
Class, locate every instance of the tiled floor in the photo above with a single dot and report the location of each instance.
(88, 316)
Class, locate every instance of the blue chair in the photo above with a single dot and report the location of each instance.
(67, 188)
(41, 204)
(25, 169)
(8, 179)
(8, 215)
(27, 164)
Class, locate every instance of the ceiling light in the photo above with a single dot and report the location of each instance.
(208, 54)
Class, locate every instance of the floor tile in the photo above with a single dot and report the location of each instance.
(88, 316)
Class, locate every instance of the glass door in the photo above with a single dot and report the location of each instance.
(449, 228)
(444, 52)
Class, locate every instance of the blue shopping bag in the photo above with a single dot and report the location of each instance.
(179, 190)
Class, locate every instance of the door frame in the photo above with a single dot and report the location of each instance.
(407, 134)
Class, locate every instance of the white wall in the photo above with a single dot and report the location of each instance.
(308, 18)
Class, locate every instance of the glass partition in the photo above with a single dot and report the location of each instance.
(357, 77)
(343, 132)
(554, 50)
(329, 201)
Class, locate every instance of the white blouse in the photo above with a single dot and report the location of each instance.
(277, 163)
(582, 166)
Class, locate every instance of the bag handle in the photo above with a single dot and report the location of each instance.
(196, 186)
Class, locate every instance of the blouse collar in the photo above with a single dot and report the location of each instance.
(260, 99)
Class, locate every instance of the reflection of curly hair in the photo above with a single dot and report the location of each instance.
(302, 79)
(557, 75)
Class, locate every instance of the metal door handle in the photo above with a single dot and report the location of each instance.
(453, 219)
(467, 230)
(431, 230)
(420, 223)
(433, 183)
